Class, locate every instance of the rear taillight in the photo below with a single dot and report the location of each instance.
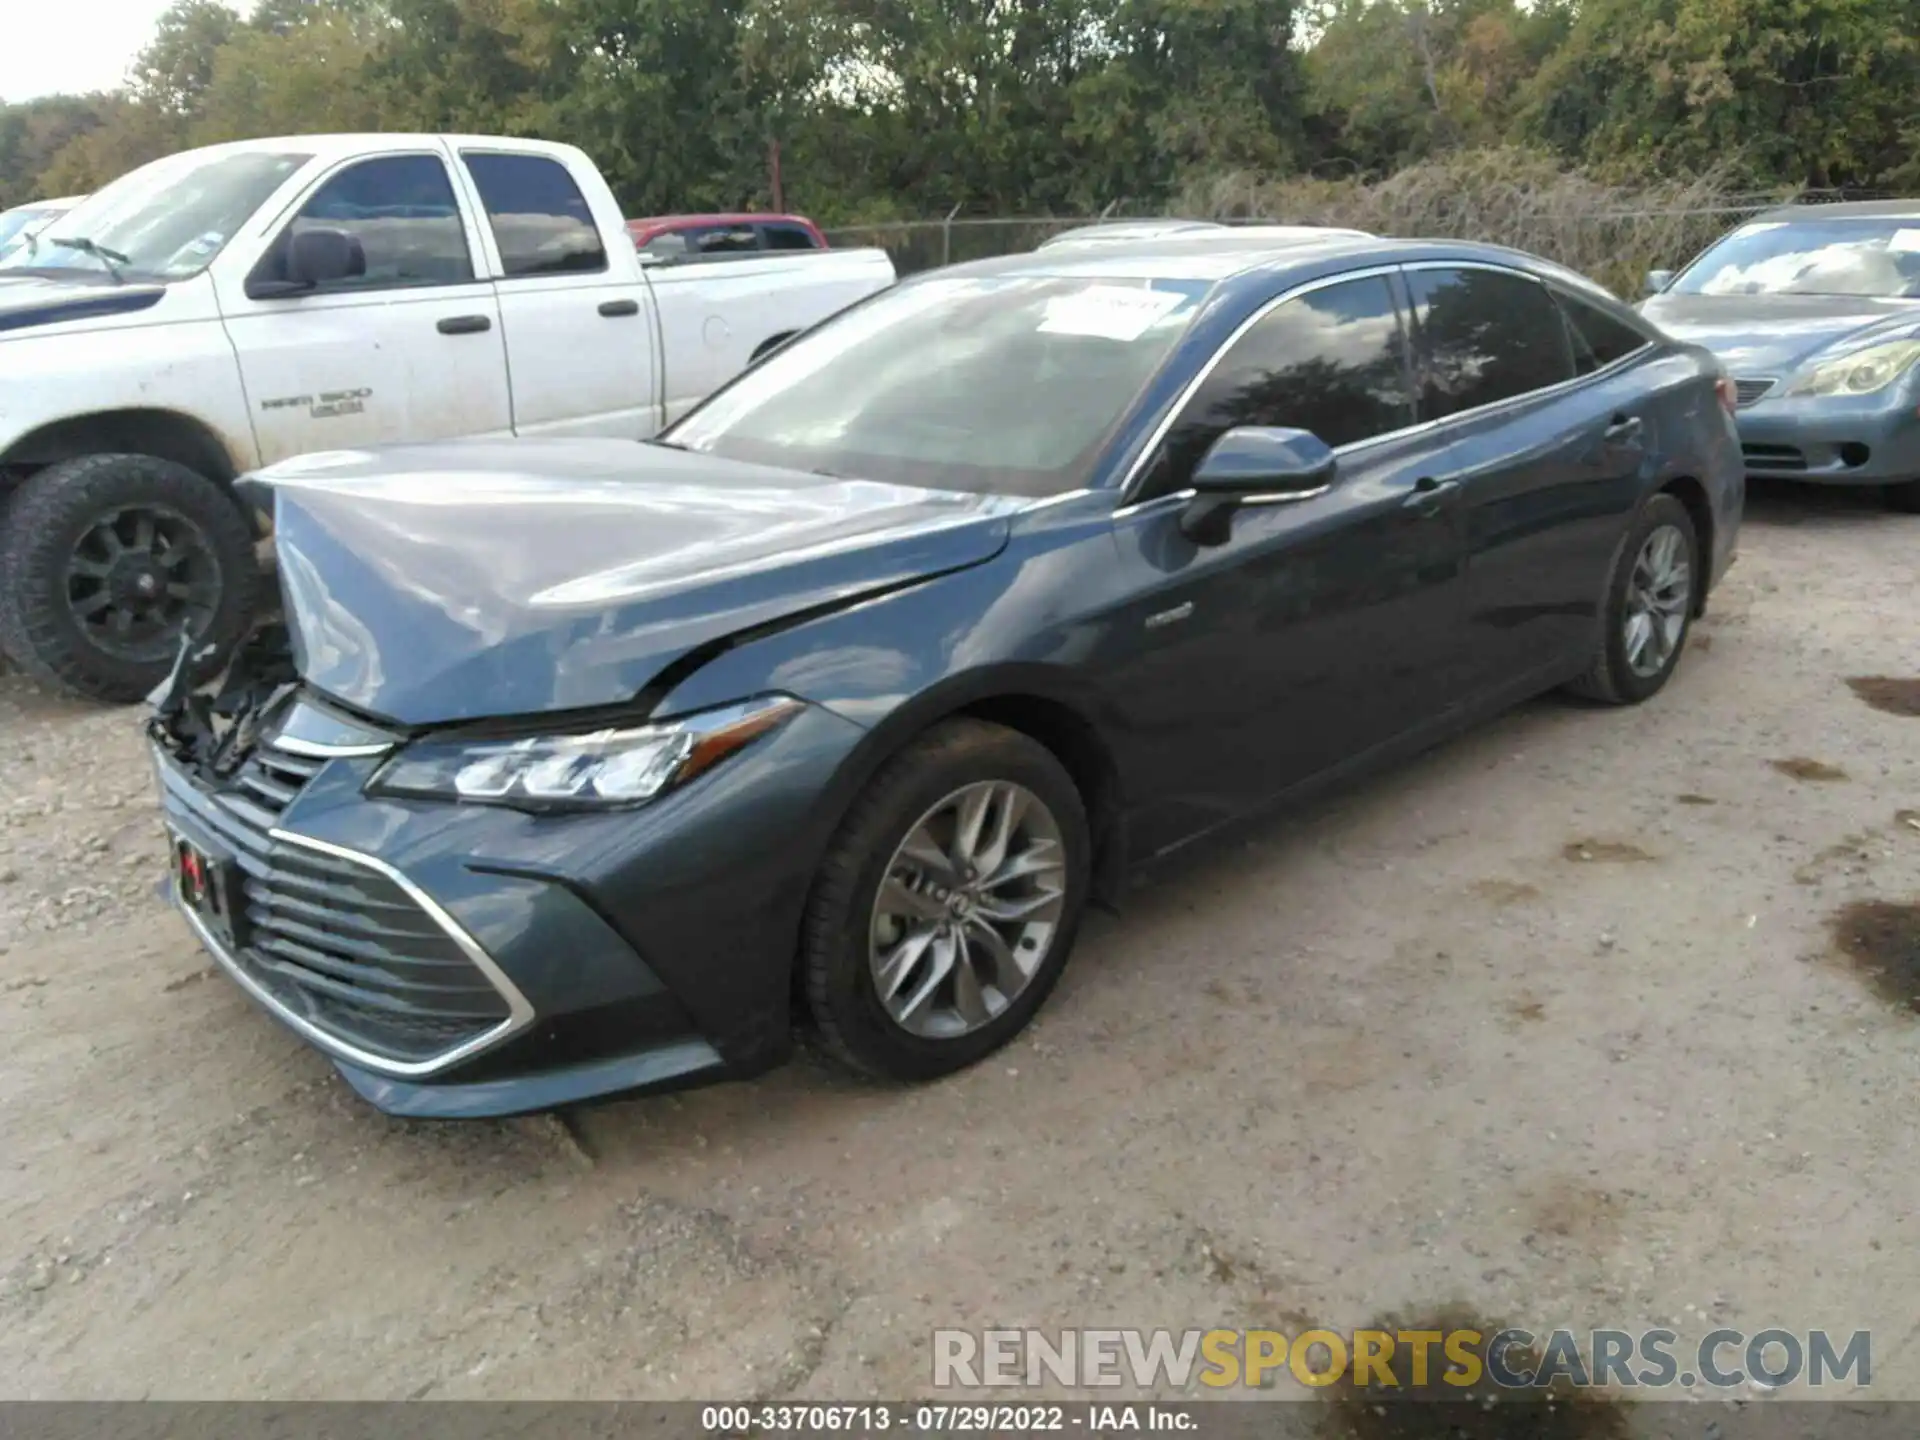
(1728, 393)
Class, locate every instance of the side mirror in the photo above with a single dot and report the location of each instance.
(1253, 463)
(323, 257)
(314, 258)
(1658, 280)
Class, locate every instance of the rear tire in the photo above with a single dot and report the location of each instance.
(105, 559)
(948, 965)
(1904, 497)
(1647, 611)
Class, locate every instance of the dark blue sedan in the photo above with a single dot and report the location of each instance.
(585, 766)
(1815, 310)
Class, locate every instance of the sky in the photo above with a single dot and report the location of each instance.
(76, 47)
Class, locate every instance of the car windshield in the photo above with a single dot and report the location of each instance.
(164, 221)
(1837, 256)
(997, 385)
(22, 217)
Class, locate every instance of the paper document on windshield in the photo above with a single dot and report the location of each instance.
(1110, 312)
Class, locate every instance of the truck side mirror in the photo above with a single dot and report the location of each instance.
(324, 257)
(312, 258)
(1658, 280)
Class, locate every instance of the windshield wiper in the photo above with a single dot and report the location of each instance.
(112, 259)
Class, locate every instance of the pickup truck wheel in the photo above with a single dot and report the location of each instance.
(106, 559)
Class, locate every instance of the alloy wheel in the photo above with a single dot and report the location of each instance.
(137, 577)
(967, 910)
(1659, 596)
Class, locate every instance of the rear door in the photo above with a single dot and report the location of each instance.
(1323, 626)
(409, 350)
(1544, 461)
(579, 329)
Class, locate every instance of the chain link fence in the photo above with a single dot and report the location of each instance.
(1614, 243)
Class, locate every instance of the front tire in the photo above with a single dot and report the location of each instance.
(1648, 608)
(948, 903)
(106, 559)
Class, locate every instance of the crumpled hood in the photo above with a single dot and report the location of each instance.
(444, 583)
(1773, 335)
(29, 302)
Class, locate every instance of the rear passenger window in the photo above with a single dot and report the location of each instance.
(1332, 361)
(789, 237)
(1599, 339)
(539, 217)
(1485, 336)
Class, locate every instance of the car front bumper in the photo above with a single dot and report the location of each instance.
(586, 955)
(1833, 439)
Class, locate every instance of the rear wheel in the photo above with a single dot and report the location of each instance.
(1648, 607)
(1904, 497)
(947, 905)
(106, 560)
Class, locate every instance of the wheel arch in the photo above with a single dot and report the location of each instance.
(1693, 496)
(164, 434)
(1037, 701)
(767, 346)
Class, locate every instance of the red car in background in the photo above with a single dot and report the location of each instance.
(721, 237)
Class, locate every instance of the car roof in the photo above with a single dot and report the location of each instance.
(723, 217)
(1843, 210)
(1232, 253)
(1119, 232)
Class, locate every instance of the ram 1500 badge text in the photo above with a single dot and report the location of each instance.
(226, 308)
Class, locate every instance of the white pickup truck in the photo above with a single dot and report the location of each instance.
(224, 308)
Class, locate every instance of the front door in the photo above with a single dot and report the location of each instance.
(408, 350)
(1322, 627)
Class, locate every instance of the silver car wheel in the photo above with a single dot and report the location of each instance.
(967, 910)
(1659, 597)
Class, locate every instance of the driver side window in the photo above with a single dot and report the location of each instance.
(1333, 361)
(401, 209)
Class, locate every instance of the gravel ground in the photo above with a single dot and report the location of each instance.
(1551, 1025)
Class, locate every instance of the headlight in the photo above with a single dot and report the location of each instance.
(1861, 373)
(602, 769)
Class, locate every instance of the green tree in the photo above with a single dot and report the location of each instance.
(1816, 92)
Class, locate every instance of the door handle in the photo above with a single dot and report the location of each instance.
(1624, 430)
(613, 309)
(1429, 494)
(464, 324)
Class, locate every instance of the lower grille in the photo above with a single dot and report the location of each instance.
(1745, 392)
(337, 941)
(1774, 457)
(351, 951)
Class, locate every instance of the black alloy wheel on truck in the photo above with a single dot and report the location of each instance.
(107, 560)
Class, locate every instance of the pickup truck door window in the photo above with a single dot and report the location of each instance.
(408, 350)
(580, 331)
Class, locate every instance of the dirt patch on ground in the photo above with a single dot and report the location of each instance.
(1799, 767)
(1443, 1408)
(1505, 892)
(1882, 940)
(1606, 852)
(1883, 692)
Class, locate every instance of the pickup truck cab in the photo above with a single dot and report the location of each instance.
(224, 308)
